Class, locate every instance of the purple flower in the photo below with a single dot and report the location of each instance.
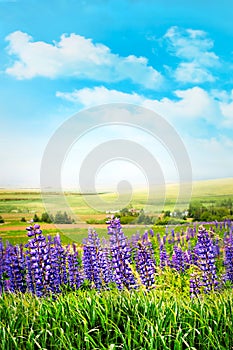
(75, 277)
(145, 262)
(121, 256)
(194, 285)
(164, 258)
(14, 266)
(228, 259)
(178, 259)
(91, 259)
(206, 260)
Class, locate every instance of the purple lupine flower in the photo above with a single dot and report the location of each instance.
(121, 256)
(75, 276)
(105, 263)
(51, 266)
(164, 258)
(206, 259)
(216, 247)
(145, 262)
(225, 237)
(191, 232)
(35, 260)
(228, 259)
(178, 261)
(15, 267)
(173, 236)
(195, 228)
(194, 285)
(135, 238)
(231, 230)
(188, 258)
(61, 258)
(1, 265)
(9, 283)
(91, 263)
(151, 232)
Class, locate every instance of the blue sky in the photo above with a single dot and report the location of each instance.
(60, 57)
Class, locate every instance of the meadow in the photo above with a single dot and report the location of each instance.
(116, 287)
(16, 204)
(151, 291)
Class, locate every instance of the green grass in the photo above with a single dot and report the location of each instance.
(111, 320)
(15, 204)
(67, 235)
(164, 318)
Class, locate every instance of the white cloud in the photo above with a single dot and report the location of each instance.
(76, 56)
(99, 95)
(192, 104)
(191, 71)
(188, 105)
(193, 47)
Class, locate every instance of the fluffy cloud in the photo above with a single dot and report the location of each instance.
(192, 72)
(76, 56)
(100, 95)
(193, 47)
(187, 106)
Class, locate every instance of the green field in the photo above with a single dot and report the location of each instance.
(162, 318)
(15, 204)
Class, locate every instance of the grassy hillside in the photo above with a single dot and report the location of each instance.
(17, 203)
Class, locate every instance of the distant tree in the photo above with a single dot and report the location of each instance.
(45, 217)
(144, 219)
(124, 212)
(141, 217)
(1, 220)
(23, 219)
(58, 219)
(195, 210)
(206, 216)
(62, 218)
(219, 211)
(36, 218)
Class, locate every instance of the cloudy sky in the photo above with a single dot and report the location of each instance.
(60, 57)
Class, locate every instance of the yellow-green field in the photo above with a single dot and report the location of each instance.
(15, 204)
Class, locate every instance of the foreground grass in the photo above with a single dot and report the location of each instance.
(117, 320)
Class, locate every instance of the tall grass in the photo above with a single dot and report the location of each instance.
(117, 320)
